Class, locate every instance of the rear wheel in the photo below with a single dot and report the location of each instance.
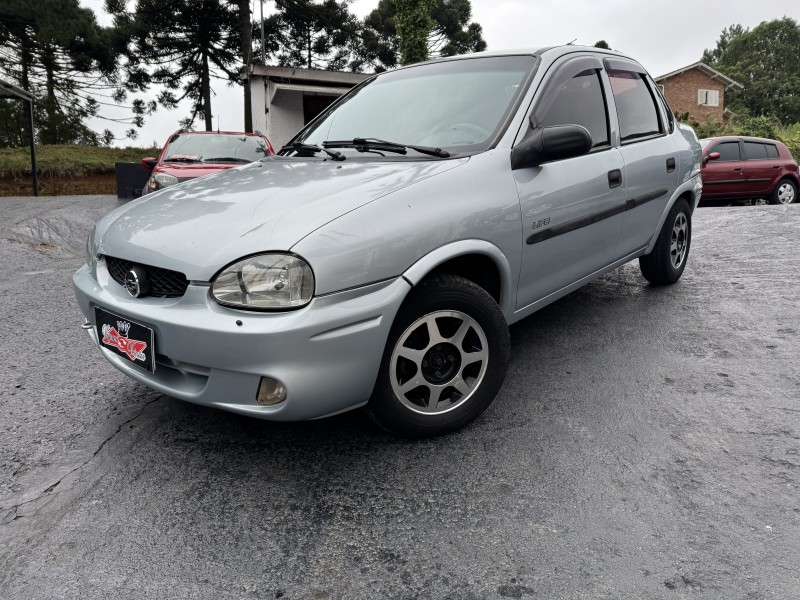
(665, 264)
(445, 359)
(784, 193)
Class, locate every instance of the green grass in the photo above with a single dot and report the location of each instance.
(68, 161)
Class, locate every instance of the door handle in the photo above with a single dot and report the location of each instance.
(614, 178)
(670, 165)
(776, 166)
(737, 169)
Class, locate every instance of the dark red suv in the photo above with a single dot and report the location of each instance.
(190, 154)
(748, 167)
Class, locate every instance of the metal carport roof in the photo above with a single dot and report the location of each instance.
(8, 90)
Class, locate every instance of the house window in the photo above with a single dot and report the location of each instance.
(708, 97)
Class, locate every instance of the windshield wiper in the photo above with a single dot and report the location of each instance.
(185, 159)
(367, 144)
(227, 159)
(315, 149)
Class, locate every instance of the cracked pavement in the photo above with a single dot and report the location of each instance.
(645, 444)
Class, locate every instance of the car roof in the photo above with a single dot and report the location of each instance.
(743, 138)
(550, 52)
(187, 132)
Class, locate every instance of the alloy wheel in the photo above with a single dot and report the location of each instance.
(679, 243)
(439, 362)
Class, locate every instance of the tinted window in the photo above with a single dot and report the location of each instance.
(727, 151)
(636, 109)
(772, 151)
(581, 102)
(209, 146)
(755, 151)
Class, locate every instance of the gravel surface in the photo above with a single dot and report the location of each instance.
(645, 445)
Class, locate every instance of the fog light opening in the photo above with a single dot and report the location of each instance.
(270, 391)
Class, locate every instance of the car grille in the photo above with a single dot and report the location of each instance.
(163, 282)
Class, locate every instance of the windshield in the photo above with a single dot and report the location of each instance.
(458, 105)
(207, 147)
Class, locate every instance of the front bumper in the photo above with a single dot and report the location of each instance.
(326, 354)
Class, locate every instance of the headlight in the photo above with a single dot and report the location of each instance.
(161, 180)
(264, 282)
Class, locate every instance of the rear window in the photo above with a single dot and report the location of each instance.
(755, 151)
(636, 108)
(772, 151)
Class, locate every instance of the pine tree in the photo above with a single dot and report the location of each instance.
(182, 45)
(56, 50)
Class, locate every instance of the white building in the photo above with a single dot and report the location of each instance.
(283, 99)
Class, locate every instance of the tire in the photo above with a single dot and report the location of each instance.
(784, 193)
(464, 367)
(665, 264)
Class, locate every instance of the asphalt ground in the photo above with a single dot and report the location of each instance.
(646, 444)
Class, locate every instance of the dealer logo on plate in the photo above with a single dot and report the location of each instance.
(117, 337)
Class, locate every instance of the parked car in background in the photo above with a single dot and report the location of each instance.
(191, 154)
(380, 257)
(748, 167)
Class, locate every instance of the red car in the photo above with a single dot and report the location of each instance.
(748, 167)
(190, 154)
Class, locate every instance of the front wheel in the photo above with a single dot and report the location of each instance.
(665, 264)
(784, 193)
(445, 359)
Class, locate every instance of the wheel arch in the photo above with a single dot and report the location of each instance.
(691, 199)
(480, 261)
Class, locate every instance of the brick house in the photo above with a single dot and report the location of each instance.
(698, 90)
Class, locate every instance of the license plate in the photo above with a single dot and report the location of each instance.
(130, 340)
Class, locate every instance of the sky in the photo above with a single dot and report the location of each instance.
(662, 36)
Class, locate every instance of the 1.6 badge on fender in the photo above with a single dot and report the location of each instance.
(128, 339)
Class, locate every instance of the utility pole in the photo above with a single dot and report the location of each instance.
(263, 50)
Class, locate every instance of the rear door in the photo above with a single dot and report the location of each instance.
(760, 171)
(648, 150)
(724, 177)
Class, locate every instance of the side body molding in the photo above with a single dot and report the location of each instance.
(417, 272)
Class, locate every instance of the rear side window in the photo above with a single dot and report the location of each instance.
(581, 102)
(728, 151)
(755, 151)
(772, 151)
(636, 107)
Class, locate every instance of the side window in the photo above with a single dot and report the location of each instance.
(666, 111)
(636, 107)
(728, 151)
(772, 151)
(581, 102)
(755, 151)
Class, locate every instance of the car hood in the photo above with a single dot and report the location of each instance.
(202, 225)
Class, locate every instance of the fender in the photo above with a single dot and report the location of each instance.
(417, 272)
(693, 185)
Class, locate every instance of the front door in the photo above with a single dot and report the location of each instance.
(724, 176)
(572, 208)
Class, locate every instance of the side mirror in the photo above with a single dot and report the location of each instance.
(712, 156)
(551, 143)
(149, 162)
